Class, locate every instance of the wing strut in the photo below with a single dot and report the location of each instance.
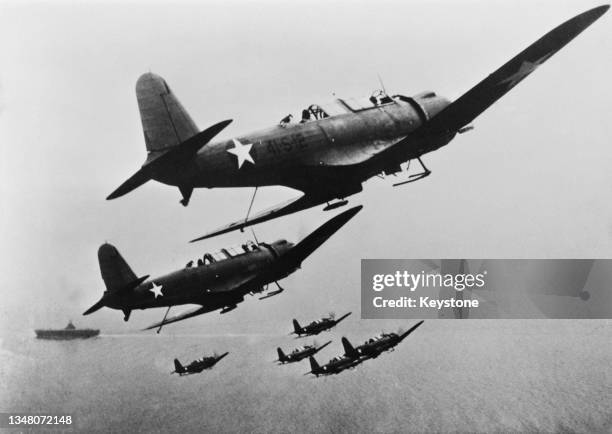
(411, 178)
(273, 293)
(246, 219)
(161, 324)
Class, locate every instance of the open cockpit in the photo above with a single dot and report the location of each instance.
(223, 254)
(339, 106)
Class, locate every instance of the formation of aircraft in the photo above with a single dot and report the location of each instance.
(197, 366)
(374, 347)
(220, 282)
(327, 155)
(352, 356)
(333, 149)
(318, 326)
(299, 353)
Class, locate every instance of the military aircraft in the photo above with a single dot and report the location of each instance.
(316, 327)
(220, 281)
(299, 353)
(374, 347)
(197, 366)
(333, 149)
(334, 366)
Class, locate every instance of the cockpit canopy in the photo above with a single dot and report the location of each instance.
(223, 254)
(346, 105)
(341, 106)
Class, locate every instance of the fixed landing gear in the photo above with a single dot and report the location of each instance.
(186, 192)
(226, 309)
(335, 205)
(273, 293)
(411, 178)
(126, 314)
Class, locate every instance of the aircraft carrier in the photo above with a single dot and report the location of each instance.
(69, 332)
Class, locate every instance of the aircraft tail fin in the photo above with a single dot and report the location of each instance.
(297, 329)
(165, 122)
(314, 366)
(116, 273)
(281, 355)
(349, 350)
(178, 368)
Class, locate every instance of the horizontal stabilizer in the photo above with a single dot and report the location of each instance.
(285, 208)
(134, 284)
(471, 104)
(133, 182)
(305, 247)
(180, 317)
(170, 161)
(99, 305)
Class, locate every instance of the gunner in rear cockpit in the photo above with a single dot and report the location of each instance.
(284, 121)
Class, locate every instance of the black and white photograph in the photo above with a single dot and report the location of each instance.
(257, 216)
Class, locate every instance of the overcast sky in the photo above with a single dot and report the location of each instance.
(532, 180)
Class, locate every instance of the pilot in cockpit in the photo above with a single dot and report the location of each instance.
(286, 120)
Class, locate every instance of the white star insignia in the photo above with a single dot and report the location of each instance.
(525, 69)
(157, 290)
(242, 152)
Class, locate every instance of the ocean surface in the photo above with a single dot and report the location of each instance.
(449, 376)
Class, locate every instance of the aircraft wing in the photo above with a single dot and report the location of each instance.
(465, 109)
(238, 283)
(305, 247)
(410, 330)
(239, 286)
(289, 207)
(189, 314)
(475, 101)
(342, 317)
(323, 346)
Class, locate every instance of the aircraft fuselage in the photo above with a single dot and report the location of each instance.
(318, 327)
(335, 366)
(210, 285)
(329, 152)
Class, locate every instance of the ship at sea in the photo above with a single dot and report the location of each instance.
(69, 332)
